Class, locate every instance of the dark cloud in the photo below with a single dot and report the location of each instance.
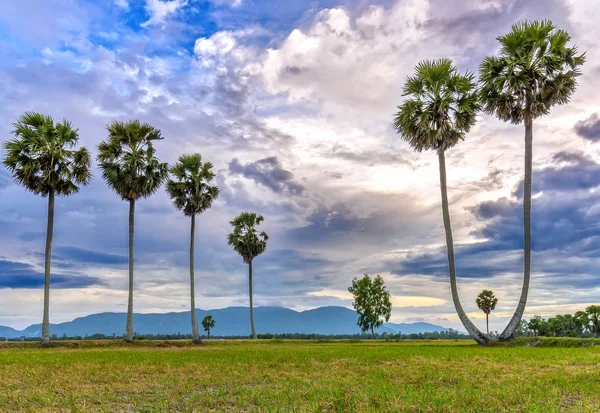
(20, 275)
(580, 173)
(268, 172)
(590, 128)
(565, 231)
(87, 256)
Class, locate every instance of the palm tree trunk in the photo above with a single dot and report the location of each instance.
(251, 308)
(509, 331)
(469, 326)
(208, 334)
(129, 329)
(195, 335)
(372, 333)
(47, 261)
(487, 323)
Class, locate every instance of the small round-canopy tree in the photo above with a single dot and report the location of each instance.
(486, 301)
(42, 159)
(207, 323)
(192, 193)
(593, 313)
(371, 302)
(246, 242)
(440, 109)
(535, 71)
(130, 167)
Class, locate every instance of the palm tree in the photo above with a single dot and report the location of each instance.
(534, 72)
(192, 193)
(246, 242)
(42, 158)
(440, 109)
(207, 323)
(130, 167)
(486, 301)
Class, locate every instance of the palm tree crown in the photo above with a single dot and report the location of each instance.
(440, 109)
(535, 71)
(128, 162)
(244, 239)
(41, 157)
(486, 301)
(191, 191)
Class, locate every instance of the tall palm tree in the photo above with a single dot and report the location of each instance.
(246, 242)
(440, 109)
(192, 193)
(42, 158)
(130, 167)
(535, 71)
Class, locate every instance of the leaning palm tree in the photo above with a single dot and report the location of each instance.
(534, 72)
(441, 107)
(246, 242)
(192, 193)
(42, 159)
(130, 167)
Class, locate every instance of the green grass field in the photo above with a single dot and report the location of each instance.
(283, 376)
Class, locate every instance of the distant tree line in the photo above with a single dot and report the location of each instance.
(581, 324)
(436, 335)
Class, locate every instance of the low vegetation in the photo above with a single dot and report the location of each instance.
(292, 376)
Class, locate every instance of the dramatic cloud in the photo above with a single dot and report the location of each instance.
(20, 275)
(269, 173)
(590, 128)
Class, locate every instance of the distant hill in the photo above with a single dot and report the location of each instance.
(231, 321)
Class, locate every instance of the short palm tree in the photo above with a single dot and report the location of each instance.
(535, 71)
(42, 158)
(486, 301)
(207, 323)
(440, 109)
(192, 193)
(246, 242)
(130, 167)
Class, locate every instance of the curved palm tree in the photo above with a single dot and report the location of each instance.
(42, 159)
(130, 167)
(534, 72)
(246, 242)
(440, 109)
(192, 193)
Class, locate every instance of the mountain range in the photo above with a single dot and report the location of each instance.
(231, 321)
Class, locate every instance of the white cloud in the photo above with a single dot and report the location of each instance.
(160, 10)
(124, 4)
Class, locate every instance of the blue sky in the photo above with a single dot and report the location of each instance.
(292, 102)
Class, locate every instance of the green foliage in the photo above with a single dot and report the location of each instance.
(128, 162)
(371, 302)
(244, 239)
(190, 189)
(535, 71)
(593, 316)
(207, 323)
(581, 324)
(42, 159)
(440, 109)
(486, 301)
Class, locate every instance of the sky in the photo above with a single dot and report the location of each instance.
(293, 103)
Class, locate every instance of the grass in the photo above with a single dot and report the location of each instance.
(298, 376)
